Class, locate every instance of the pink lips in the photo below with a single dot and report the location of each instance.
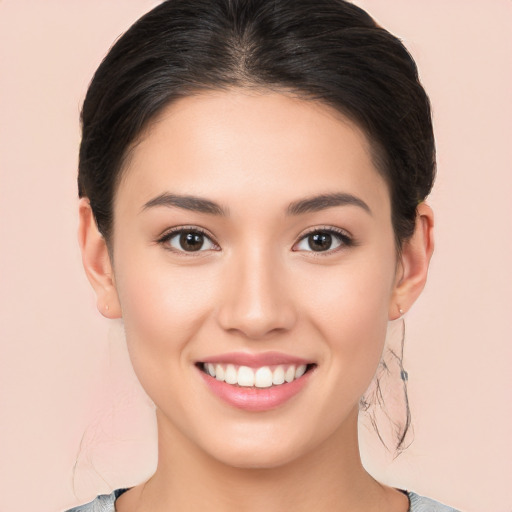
(252, 398)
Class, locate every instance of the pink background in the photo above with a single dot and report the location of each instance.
(74, 422)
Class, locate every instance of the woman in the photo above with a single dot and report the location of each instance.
(252, 180)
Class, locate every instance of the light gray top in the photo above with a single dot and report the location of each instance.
(106, 503)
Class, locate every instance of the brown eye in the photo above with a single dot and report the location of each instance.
(191, 241)
(188, 240)
(320, 241)
(323, 240)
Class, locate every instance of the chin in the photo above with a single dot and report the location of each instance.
(257, 457)
(253, 451)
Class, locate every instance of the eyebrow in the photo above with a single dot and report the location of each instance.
(306, 205)
(324, 201)
(197, 204)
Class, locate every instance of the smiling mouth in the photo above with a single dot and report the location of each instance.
(261, 377)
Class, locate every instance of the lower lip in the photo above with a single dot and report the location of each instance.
(252, 398)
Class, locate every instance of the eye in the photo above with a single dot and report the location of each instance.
(324, 240)
(187, 240)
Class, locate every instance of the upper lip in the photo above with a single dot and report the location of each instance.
(255, 360)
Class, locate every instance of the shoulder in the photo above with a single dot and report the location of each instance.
(422, 504)
(103, 503)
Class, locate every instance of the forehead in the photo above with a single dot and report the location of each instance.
(235, 145)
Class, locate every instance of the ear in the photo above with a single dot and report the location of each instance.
(412, 268)
(96, 261)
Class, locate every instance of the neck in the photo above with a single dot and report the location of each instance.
(330, 477)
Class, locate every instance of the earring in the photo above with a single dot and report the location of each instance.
(403, 373)
(106, 307)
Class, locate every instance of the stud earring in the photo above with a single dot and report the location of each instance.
(401, 311)
(106, 307)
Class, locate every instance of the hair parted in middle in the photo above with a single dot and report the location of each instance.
(329, 51)
(323, 50)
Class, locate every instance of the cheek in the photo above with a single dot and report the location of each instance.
(349, 310)
(163, 308)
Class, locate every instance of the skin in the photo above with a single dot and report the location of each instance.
(257, 287)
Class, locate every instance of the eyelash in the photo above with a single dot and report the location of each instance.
(164, 239)
(345, 239)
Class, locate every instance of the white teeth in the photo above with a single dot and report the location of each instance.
(290, 374)
(245, 376)
(219, 372)
(278, 376)
(231, 376)
(263, 377)
(300, 371)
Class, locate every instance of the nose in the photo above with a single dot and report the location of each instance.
(256, 300)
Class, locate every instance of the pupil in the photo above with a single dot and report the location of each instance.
(320, 241)
(191, 241)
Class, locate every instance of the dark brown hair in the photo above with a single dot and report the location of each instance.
(325, 50)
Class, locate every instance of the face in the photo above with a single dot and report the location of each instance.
(253, 244)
